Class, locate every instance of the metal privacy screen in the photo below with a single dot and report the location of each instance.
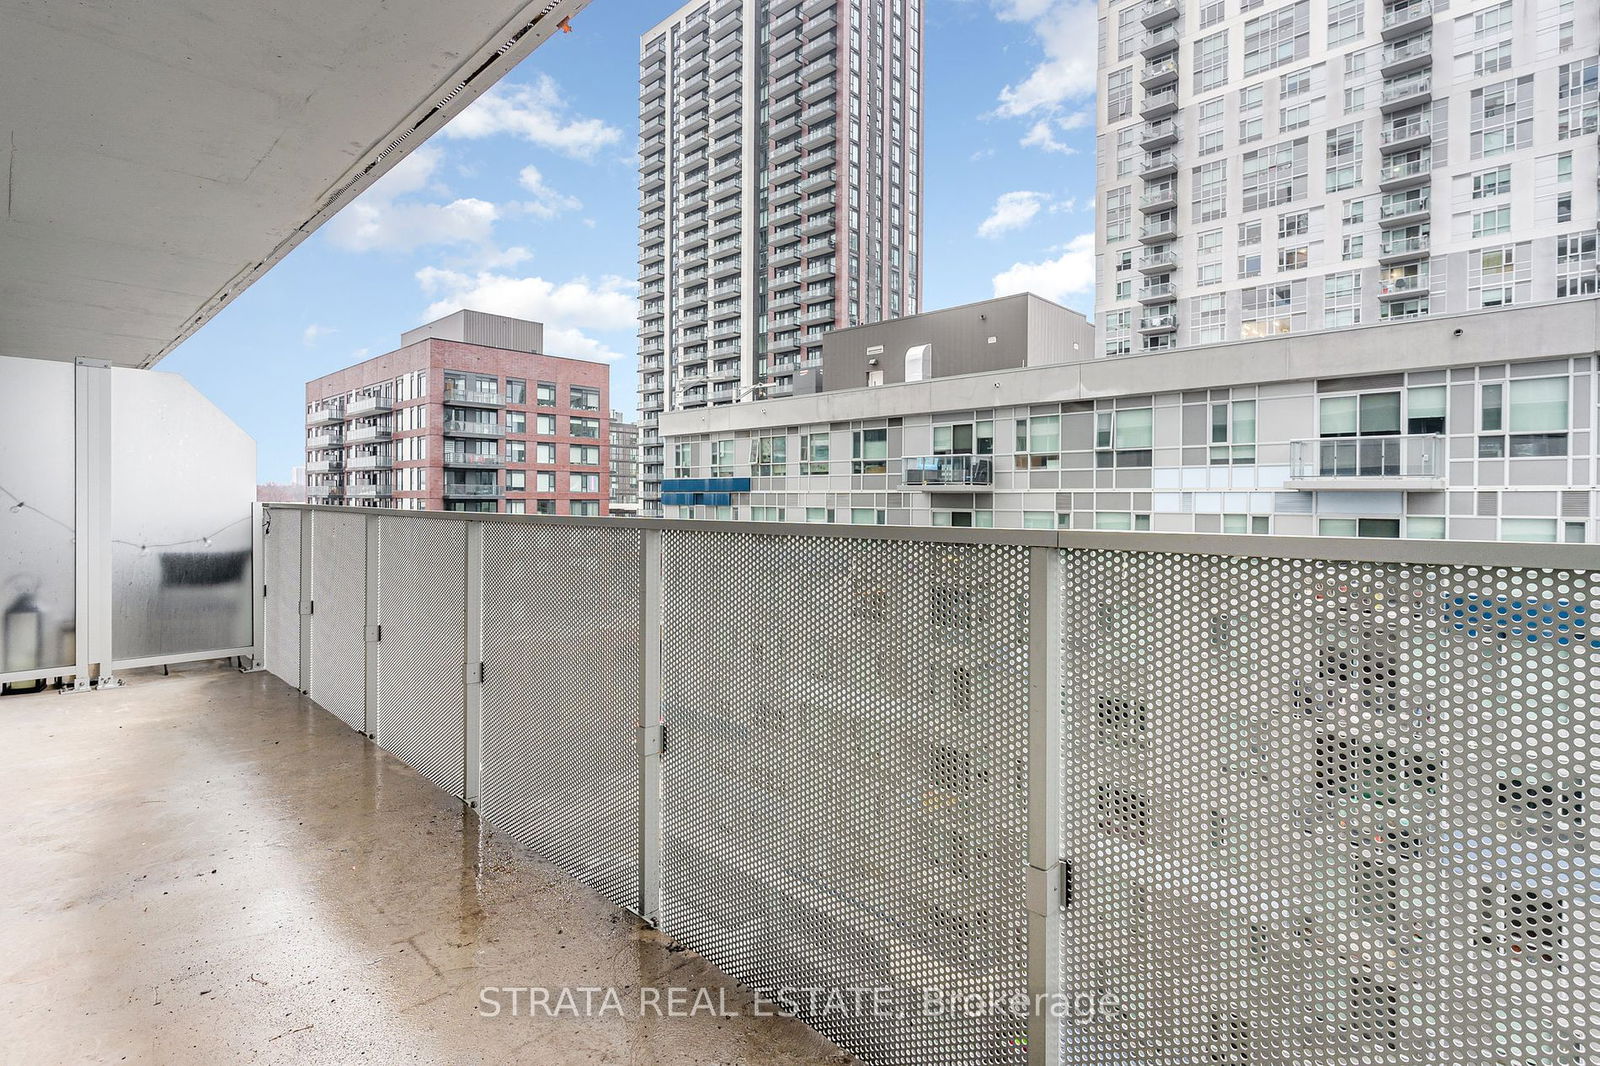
(561, 698)
(1328, 812)
(844, 789)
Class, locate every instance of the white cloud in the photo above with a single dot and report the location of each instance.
(546, 202)
(314, 333)
(1069, 274)
(567, 309)
(537, 113)
(1012, 210)
(383, 219)
(381, 225)
(1066, 31)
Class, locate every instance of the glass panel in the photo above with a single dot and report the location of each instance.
(1491, 407)
(1425, 528)
(1135, 428)
(1380, 413)
(1336, 527)
(1539, 405)
(1045, 434)
(1527, 529)
(38, 568)
(1244, 422)
(1338, 418)
(1113, 520)
(183, 480)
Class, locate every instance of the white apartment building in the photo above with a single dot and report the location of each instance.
(1269, 167)
(780, 194)
(1482, 427)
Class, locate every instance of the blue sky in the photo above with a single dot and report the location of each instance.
(527, 205)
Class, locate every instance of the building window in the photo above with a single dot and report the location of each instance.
(516, 391)
(1039, 442)
(1275, 175)
(769, 456)
(964, 438)
(583, 482)
(1244, 523)
(516, 422)
(1528, 417)
(1271, 309)
(1341, 303)
(866, 516)
(516, 451)
(1578, 99)
(1576, 264)
(516, 481)
(1359, 527)
(1541, 530)
(1344, 157)
(544, 481)
(722, 458)
(814, 452)
(1122, 521)
(545, 394)
(682, 460)
(1278, 37)
(1492, 183)
(869, 451)
(1210, 200)
(1211, 62)
(1210, 318)
(544, 454)
(584, 427)
(1119, 94)
(1502, 118)
(585, 454)
(1495, 275)
(1344, 20)
(584, 508)
(1124, 437)
(1494, 220)
(1233, 432)
(584, 399)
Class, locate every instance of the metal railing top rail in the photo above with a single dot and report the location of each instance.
(1515, 554)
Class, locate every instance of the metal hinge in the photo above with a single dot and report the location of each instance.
(373, 634)
(306, 606)
(1066, 883)
(652, 739)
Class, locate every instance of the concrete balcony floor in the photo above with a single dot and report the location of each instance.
(208, 868)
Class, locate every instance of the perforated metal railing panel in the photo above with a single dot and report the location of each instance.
(561, 697)
(422, 656)
(281, 637)
(339, 615)
(845, 791)
(1329, 812)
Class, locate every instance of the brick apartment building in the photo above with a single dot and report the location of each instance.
(466, 415)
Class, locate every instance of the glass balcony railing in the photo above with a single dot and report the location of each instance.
(368, 405)
(461, 427)
(947, 471)
(468, 394)
(1407, 456)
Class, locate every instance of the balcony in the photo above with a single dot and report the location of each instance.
(1399, 172)
(464, 427)
(1403, 57)
(1403, 286)
(328, 439)
(1404, 19)
(1413, 463)
(1159, 12)
(947, 473)
(469, 396)
(366, 434)
(1163, 197)
(1404, 136)
(1016, 618)
(476, 460)
(329, 415)
(1155, 135)
(1158, 165)
(324, 466)
(1162, 72)
(1399, 247)
(465, 490)
(1159, 104)
(368, 405)
(1409, 91)
(369, 462)
(368, 491)
(1405, 210)
(1158, 230)
(1158, 323)
(1157, 262)
(1159, 293)
(1160, 41)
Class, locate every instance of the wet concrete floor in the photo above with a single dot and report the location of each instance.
(207, 868)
